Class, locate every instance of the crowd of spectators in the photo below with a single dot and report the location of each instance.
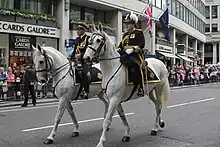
(189, 75)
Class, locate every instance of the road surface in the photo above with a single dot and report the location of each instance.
(192, 120)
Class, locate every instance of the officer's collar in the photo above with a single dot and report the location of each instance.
(83, 35)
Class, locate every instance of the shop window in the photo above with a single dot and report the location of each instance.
(44, 41)
(20, 49)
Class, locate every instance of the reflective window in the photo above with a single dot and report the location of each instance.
(174, 7)
(207, 28)
(158, 3)
(164, 4)
(75, 13)
(207, 12)
(169, 2)
(99, 16)
(29, 5)
(214, 11)
(7, 4)
(89, 14)
(214, 27)
(177, 9)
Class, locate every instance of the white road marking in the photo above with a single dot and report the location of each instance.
(32, 108)
(65, 124)
(189, 103)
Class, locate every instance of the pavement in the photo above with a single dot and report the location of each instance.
(51, 100)
(192, 120)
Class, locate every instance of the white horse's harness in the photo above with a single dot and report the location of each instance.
(48, 68)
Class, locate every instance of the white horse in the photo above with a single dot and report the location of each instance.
(114, 81)
(49, 61)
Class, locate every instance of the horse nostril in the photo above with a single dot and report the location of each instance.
(88, 58)
(43, 81)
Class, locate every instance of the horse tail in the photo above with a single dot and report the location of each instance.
(165, 92)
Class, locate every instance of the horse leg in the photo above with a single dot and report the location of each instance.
(158, 106)
(121, 113)
(108, 120)
(75, 123)
(102, 97)
(61, 108)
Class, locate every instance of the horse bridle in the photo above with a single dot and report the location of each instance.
(49, 65)
(98, 50)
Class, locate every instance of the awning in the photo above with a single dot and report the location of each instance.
(169, 55)
(185, 58)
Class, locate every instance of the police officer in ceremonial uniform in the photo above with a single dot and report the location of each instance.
(81, 44)
(131, 46)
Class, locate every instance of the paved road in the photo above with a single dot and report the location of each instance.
(192, 120)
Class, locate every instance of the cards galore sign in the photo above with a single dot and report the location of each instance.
(9, 27)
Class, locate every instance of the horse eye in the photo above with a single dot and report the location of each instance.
(41, 62)
(98, 40)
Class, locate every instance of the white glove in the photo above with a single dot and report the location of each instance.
(129, 51)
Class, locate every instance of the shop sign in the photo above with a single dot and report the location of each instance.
(164, 48)
(22, 42)
(8, 27)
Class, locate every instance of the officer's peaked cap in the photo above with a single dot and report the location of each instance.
(131, 18)
(82, 26)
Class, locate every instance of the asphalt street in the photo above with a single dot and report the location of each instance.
(192, 120)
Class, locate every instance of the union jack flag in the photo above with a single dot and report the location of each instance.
(148, 17)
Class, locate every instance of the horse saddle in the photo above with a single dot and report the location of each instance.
(148, 75)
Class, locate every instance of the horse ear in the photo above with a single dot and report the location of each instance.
(33, 47)
(94, 28)
(41, 49)
(100, 27)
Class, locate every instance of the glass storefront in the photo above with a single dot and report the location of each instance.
(4, 44)
(20, 49)
(43, 41)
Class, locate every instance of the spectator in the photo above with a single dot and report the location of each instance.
(3, 80)
(10, 82)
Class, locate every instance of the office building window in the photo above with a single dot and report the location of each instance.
(207, 28)
(158, 3)
(169, 2)
(164, 4)
(207, 11)
(89, 14)
(145, 1)
(7, 4)
(75, 12)
(187, 15)
(29, 5)
(36, 6)
(214, 11)
(177, 9)
(174, 7)
(99, 16)
(214, 27)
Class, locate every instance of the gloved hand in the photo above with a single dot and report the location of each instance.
(129, 51)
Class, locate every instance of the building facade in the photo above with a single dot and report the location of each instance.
(53, 23)
(212, 31)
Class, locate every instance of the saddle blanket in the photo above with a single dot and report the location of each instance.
(151, 76)
(96, 76)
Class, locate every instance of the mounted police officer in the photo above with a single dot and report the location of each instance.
(131, 46)
(81, 44)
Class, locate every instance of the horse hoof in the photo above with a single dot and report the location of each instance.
(48, 141)
(108, 129)
(75, 134)
(162, 124)
(126, 139)
(153, 133)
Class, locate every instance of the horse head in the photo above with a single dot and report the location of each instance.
(97, 43)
